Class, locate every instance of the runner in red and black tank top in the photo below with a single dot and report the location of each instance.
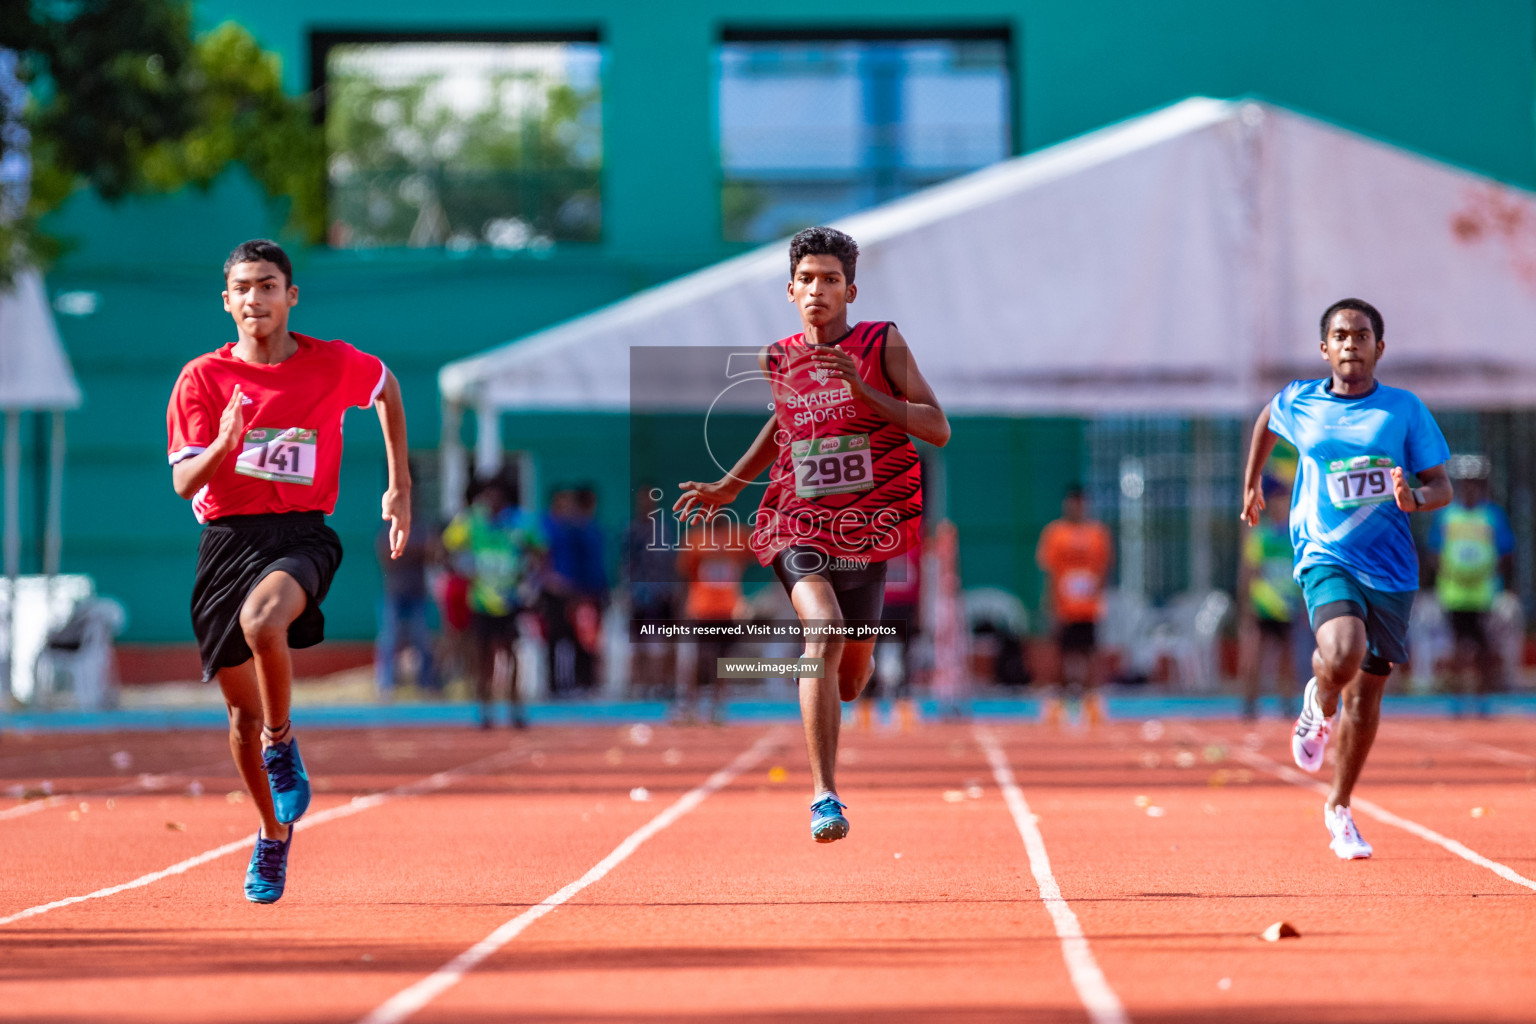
(847, 482)
(844, 494)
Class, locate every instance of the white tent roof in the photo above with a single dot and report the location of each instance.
(1175, 262)
(34, 371)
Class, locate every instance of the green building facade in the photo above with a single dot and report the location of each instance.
(1454, 81)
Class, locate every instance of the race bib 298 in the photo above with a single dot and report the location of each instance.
(832, 465)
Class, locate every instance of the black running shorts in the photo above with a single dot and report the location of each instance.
(237, 552)
(1077, 637)
(860, 588)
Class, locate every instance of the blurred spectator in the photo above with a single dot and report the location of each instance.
(1472, 555)
(713, 558)
(575, 589)
(650, 563)
(403, 610)
(1076, 553)
(1272, 626)
(497, 547)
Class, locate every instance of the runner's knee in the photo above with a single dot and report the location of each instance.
(1339, 662)
(853, 675)
(264, 625)
(850, 692)
(245, 725)
(830, 651)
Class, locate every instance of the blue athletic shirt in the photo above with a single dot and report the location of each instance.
(1343, 511)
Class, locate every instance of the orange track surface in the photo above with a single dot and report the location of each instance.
(732, 912)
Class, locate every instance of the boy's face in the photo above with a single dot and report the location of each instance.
(1351, 346)
(820, 290)
(258, 296)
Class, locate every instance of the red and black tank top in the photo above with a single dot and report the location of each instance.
(846, 479)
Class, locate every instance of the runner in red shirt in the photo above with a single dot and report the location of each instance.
(255, 443)
(844, 493)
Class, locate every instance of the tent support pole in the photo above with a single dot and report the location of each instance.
(53, 544)
(488, 453)
(12, 541)
(453, 469)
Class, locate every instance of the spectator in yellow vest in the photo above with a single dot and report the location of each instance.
(1273, 632)
(1472, 555)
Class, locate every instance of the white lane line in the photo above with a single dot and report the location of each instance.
(1371, 808)
(1093, 989)
(1484, 750)
(148, 783)
(31, 807)
(409, 1000)
(346, 810)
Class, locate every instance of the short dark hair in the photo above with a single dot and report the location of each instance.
(824, 241)
(1359, 306)
(256, 250)
(1075, 490)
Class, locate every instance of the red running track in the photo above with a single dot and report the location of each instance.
(1172, 847)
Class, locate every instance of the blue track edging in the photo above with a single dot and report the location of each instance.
(466, 715)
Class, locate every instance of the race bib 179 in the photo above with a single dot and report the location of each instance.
(284, 455)
(1363, 480)
(832, 465)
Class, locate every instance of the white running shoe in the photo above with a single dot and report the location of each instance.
(1310, 739)
(1347, 842)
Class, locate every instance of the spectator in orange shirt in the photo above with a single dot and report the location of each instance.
(1075, 553)
(712, 560)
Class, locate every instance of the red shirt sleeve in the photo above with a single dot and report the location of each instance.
(191, 423)
(362, 376)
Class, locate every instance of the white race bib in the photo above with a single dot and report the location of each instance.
(832, 465)
(286, 456)
(1363, 480)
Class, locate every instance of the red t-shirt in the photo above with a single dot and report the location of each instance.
(291, 460)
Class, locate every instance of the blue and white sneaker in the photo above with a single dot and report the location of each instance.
(268, 872)
(288, 780)
(827, 822)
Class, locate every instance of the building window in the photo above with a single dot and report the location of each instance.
(472, 143)
(812, 129)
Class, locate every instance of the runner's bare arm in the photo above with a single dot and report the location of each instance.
(915, 408)
(1434, 490)
(1259, 446)
(397, 500)
(706, 497)
(190, 475)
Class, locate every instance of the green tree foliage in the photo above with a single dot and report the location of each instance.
(406, 168)
(125, 101)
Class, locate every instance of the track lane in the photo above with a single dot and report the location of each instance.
(734, 913)
(375, 901)
(1174, 903)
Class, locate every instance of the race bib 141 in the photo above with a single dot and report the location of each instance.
(283, 455)
(832, 465)
(1362, 480)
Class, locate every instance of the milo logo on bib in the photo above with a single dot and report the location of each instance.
(1362, 480)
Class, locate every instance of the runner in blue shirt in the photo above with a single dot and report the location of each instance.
(1357, 441)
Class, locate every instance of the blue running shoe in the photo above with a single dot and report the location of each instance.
(827, 822)
(288, 780)
(268, 872)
